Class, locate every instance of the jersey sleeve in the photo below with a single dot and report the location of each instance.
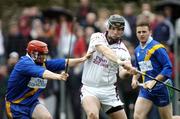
(96, 39)
(56, 64)
(29, 68)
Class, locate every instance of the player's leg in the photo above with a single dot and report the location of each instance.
(165, 111)
(16, 111)
(112, 104)
(117, 113)
(40, 112)
(142, 108)
(91, 106)
(164, 98)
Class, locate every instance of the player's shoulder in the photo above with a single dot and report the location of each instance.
(154, 42)
(97, 35)
(123, 46)
(24, 63)
(157, 45)
(25, 60)
(137, 48)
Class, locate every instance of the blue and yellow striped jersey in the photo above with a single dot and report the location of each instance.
(26, 83)
(153, 60)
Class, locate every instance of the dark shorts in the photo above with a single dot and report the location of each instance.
(17, 111)
(160, 95)
(114, 109)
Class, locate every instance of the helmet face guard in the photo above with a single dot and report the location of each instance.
(38, 51)
(38, 57)
(116, 21)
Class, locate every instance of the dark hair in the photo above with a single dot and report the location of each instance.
(143, 23)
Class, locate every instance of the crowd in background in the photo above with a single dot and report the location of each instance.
(59, 32)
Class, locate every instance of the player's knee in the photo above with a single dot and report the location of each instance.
(93, 115)
(139, 115)
(47, 116)
(136, 116)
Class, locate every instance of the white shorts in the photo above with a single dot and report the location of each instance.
(107, 96)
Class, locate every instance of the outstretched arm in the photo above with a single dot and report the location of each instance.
(54, 76)
(75, 61)
(108, 53)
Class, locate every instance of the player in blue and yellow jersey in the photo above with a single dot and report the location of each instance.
(152, 59)
(29, 78)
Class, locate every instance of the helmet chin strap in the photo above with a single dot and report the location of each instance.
(39, 63)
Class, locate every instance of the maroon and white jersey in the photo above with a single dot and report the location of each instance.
(98, 70)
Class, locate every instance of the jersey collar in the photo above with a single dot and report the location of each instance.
(148, 41)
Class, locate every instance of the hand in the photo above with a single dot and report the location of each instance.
(64, 76)
(128, 66)
(134, 83)
(87, 56)
(149, 84)
(132, 70)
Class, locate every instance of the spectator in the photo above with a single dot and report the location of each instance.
(2, 45)
(91, 19)
(12, 60)
(164, 31)
(15, 41)
(3, 87)
(128, 13)
(82, 11)
(103, 13)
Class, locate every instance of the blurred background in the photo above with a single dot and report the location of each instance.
(59, 22)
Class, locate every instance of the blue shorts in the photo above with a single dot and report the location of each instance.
(17, 111)
(160, 95)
